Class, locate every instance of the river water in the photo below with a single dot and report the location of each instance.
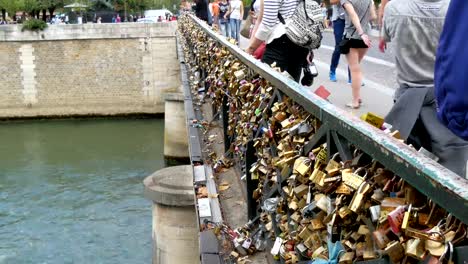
(71, 191)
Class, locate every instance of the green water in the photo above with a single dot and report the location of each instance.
(71, 191)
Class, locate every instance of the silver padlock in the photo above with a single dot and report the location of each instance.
(247, 243)
(375, 212)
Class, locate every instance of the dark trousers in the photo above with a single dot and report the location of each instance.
(287, 55)
(338, 29)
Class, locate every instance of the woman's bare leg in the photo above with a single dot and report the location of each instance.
(356, 75)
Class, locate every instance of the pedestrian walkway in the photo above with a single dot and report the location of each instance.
(377, 93)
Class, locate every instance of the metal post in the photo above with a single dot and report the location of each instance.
(251, 184)
(225, 112)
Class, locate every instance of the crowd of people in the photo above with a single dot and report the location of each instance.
(429, 112)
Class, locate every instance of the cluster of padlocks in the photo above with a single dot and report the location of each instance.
(311, 203)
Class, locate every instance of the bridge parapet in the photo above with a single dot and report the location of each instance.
(262, 112)
(89, 31)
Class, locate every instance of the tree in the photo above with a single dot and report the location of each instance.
(51, 5)
(10, 6)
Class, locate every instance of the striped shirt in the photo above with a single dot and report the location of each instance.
(271, 28)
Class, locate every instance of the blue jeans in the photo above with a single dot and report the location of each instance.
(235, 28)
(225, 28)
(338, 29)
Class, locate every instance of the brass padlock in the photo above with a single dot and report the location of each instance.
(351, 179)
(316, 224)
(303, 166)
(317, 176)
(321, 156)
(333, 164)
(298, 140)
(395, 251)
(344, 212)
(305, 233)
(301, 190)
(359, 196)
(380, 238)
(343, 189)
(280, 116)
(346, 258)
(415, 249)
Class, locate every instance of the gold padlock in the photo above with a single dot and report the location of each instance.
(305, 233)
(344, 212)
(301, 190)
(359, 196)
(303, 166)
(321, 157)
(333, 164)
(343, 189)
(317, 176)
(415, 249)
(395, 251)
(352, 179)
(316, 224)
(346, 258)
(280, 116)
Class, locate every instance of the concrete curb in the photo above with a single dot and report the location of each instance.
(170, 186)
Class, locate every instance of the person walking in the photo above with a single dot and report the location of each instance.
(414, 113)
(287, 55)
(236, 12)
(358, 16)
(382, 43)
(338, 20)
(451, 75)
(257, 7)
(224, 21)
(214, 8)
(201, 10)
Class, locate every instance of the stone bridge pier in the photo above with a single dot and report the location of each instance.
(175, 229)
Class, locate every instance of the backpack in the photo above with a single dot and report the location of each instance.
(305, 27)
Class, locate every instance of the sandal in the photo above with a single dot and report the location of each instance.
(350, 105)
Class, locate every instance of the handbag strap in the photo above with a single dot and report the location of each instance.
(281, 19)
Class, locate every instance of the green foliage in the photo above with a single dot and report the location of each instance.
(34, 25)
(11, 6)
(247, 2)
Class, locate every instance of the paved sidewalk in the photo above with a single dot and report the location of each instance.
(377, 97)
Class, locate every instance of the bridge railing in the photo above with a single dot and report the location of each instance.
(215, 59)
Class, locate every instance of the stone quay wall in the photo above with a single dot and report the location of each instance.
(89, 69)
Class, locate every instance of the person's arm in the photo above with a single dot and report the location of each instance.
(385, 32)
(373, 13)
(269, 20)
(356, 22)
(228, 12)
(381, 11)
(241, 10)
(255, 42)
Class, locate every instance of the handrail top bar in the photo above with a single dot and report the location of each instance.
(437, 175)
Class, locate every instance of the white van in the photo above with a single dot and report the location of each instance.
(157, 13)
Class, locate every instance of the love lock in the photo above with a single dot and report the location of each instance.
(304, 129)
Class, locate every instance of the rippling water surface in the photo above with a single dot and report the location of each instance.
(71, 191)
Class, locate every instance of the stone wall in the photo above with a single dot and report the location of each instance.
(91, 69)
